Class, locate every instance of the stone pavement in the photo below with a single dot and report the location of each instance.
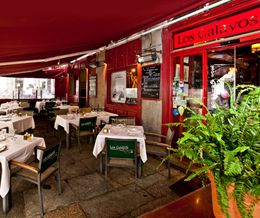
(121, 195)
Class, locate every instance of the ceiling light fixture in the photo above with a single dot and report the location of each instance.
(146, 58)
(96, 64)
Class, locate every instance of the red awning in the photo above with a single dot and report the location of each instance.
(42, 29)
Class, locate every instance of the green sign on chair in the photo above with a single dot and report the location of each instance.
(122, 153)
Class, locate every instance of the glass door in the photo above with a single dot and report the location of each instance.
(187, 82)
(231, 66)
(221, 74)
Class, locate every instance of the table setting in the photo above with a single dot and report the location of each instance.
(14, 147)
(121, 131)
(15, 121)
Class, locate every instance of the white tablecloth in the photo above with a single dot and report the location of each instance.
(39, 105)
(66, 120)
(20, 124)
(69, 107)
(19, 150)
(7, 124)
(7, 110)
(121, 132)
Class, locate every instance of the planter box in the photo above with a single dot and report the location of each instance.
(233, 209)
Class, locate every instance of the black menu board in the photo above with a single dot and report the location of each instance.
(151, 81)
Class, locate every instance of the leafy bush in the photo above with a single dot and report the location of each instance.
(227, 142)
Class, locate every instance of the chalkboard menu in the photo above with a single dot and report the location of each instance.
(151, 81)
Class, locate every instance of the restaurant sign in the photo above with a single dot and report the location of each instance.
(241, 23)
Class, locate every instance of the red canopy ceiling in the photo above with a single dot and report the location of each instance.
(41, 29)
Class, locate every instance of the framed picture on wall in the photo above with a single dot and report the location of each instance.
(118, 87)
(93, 85)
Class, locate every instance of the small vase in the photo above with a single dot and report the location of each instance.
(233, 209)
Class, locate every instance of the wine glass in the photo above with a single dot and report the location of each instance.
(12, 134)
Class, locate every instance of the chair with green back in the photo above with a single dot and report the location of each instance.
(122, 153)
(26, 113)
(39, 170)
(52, 120)
(87, 128)
(49, 107)
(74, 104)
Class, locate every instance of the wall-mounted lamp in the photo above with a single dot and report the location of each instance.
(146, 58)
(96, 64)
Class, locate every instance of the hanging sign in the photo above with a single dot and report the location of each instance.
(241, 23)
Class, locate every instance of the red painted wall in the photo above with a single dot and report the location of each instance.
(222, 12)
(118, 59)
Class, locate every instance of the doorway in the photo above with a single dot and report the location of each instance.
(231, 66)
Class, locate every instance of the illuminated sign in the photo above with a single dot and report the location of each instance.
(241, 23)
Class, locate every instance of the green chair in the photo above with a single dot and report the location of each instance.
(87, 128)
(122, 153)
(38, 171)
(49, 107)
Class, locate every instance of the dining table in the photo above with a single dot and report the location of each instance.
(17, 123)
(40, 105)
(14, 147)
(121, 132)
(68, 107)
(65, 121)
(7, 107)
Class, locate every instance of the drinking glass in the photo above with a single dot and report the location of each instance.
(12, 134)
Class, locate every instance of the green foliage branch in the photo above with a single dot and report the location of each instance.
(226, 142)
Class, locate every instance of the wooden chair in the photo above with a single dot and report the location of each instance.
(28, 113)
(6, 128)
(38, 171)
(60, 112)
(122, 153)
(24, 104)
(52, 119)
(49, 107)
(85, 110)
(74, 104)
(158, 144)
(87, 128)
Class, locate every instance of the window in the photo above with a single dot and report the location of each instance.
(26, 88)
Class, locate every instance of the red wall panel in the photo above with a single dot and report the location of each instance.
(117, 59)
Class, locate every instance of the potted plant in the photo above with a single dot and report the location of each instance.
(226, 143)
